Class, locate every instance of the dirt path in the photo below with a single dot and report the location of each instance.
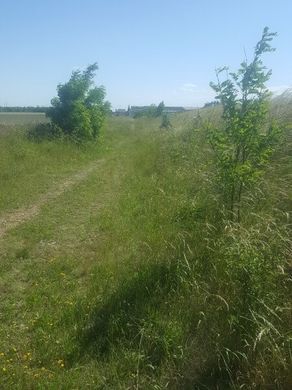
(19, 216)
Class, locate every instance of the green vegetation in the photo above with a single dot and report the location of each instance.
(29, 169)
(79, 110)
(120, 267)
(165, 122)
(21, 109)
(152, 111)
(247, 139)
(133, 278)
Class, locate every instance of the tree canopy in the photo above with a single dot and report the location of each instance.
(79, 110)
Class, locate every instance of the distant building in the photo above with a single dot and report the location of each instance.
(173, 110)
(136, 110)
(120, 112)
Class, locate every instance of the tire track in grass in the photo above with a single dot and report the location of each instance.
(17, 217)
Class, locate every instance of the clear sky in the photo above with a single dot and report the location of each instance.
(147, 50)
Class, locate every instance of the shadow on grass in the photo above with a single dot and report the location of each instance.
(127, 313)
(135, 319)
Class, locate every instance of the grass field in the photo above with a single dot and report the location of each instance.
(21, 118)
(29, 169)
(125, 274)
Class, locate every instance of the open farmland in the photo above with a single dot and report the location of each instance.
(21, 118)
(118, 271)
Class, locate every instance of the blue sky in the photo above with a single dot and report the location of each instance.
(147, 51)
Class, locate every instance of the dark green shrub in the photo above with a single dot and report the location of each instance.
(165, 122)
(44, 131)
(79, 110)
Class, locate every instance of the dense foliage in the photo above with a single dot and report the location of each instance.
(79, 110)
(165, 122)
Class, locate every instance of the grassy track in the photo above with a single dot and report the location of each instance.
(29, 169)
(129, 279)
(52, 258)
(17, 217)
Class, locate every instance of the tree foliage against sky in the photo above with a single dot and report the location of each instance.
(80, 108)
(246, 139)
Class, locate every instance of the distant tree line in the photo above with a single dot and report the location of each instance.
(23, 109)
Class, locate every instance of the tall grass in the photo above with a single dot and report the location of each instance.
(136, 280)
(208, 304)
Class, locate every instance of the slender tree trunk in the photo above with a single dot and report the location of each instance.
(232, 195)
(239, 202)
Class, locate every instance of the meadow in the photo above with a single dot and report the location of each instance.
(21, 118)
(126, 273)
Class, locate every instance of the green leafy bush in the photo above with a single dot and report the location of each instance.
(44, 131)
(165, 122)
(79, 110)
(245, 141)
